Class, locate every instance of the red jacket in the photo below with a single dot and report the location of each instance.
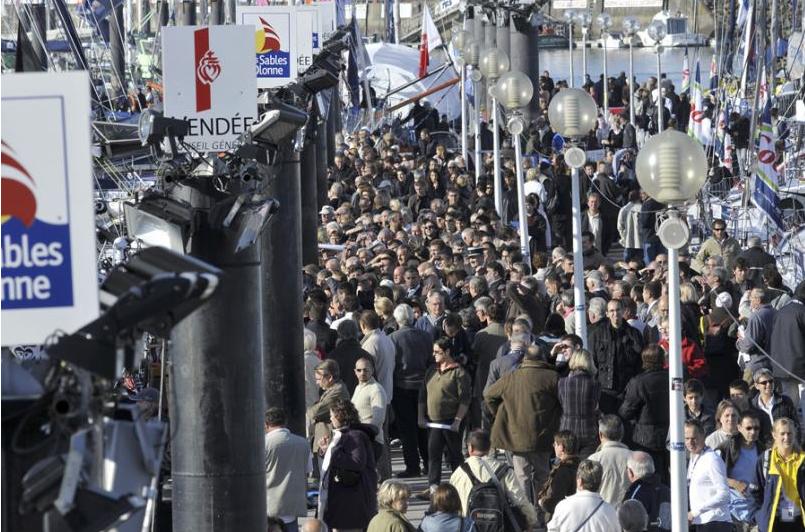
(692, 357)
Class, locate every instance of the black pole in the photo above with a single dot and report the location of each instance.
(309, 193)
(282, 293)
(333, 123)
(216, 401)
(323, 156)
(117, 30)
(38, 21)
(188, 13)
(162, 17)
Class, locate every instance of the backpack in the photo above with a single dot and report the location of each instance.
(487, 504)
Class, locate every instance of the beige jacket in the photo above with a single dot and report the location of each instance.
(370, 401)
(613, 455)
(514, 491)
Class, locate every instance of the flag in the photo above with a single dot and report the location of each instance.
(685, 74)
(429, 42)
(765, 192)
(729, 150)
(699, 125)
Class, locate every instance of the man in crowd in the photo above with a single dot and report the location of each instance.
(288, 464)
(586, 510)
(613, 456)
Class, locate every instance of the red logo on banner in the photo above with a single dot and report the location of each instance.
(270, 38)
(19, 200)
(208, 68)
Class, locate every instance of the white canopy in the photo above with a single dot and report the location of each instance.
(394, 65)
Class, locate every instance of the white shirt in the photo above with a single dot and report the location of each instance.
(370, 401)
(380, 346)
(572, 512)
(708, 492)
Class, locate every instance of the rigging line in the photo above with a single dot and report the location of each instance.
(34, 31)
(94, 51)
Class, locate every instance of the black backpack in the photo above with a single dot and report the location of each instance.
(487, 504)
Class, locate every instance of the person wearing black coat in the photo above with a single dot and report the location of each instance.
(348, 491)
(347, 351)
(648, 231)
(615, 346)
(755, 259)
(646, 405)
(647, 488)
(788, 341)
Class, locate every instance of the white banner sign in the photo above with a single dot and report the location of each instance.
(209, 80)
(275, 43)
(47, 257)
(308, 33)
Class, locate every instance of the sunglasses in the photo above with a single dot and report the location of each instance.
(361, 370)
(753, 428)
(764, 383)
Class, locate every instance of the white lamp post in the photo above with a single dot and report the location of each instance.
(657, 31)
(605, 21)
(459, 36)
(514, 91)
(572, 113)
(630, 28)
(570, 16)
(584, 20)
(494, 63)
(672, 168)
(472, 55)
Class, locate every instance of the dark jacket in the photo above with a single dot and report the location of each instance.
(782, 406)
(325, 336)
(579, 394)
(616, 353)
(646, 403)
(485, 346)
(768, 494)
(526, 409)
(351, 479)
(561, 483)
(534, 305)
(651, 494)
(756, 258)
(788, 339)
(730, 450)
(346, 353)
(413, 349)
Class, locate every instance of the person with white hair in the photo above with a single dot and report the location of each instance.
(647, 489)
(311, 360)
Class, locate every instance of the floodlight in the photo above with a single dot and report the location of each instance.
(277, 124)
(159, 221)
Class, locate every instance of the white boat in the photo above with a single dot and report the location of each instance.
(677, 33)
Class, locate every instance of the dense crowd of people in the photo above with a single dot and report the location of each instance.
(426, 329)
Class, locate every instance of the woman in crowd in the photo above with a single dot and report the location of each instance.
(727, 417)
(348, 492)
(578, 394)
(392, 501)
(444, 514)
(781, 478)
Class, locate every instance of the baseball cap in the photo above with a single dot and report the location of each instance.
(327, 210)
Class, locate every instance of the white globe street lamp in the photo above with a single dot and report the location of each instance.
(570, 16)
(630, 28)
(604, 20)
(458, 40)
(672, 168)
(493, 64)
(657, 32)
(514, 91)
(472, 56)
(572, 113)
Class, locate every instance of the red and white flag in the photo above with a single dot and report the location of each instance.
(430, 40)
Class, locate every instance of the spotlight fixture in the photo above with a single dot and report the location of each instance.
(159, 221)
(153, 127)
(277, 124)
